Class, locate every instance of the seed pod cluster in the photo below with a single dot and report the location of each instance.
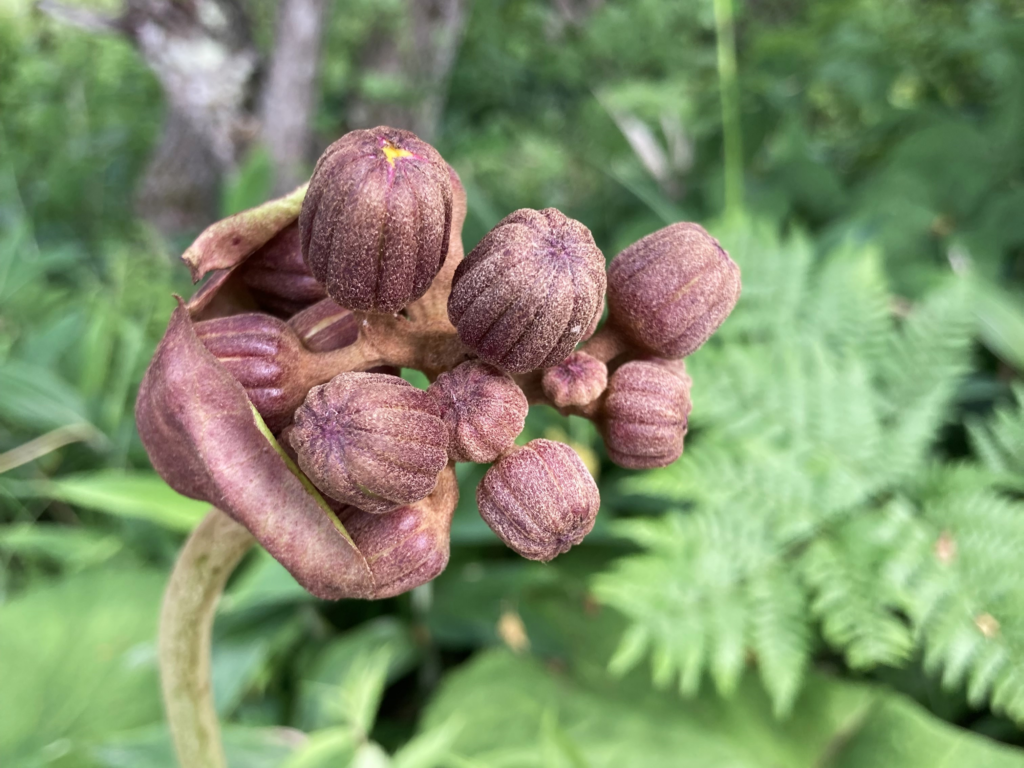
(483, 409)
(365, 276)
(377, 218)
(370, 440)
(527, 294)
(672, 289)
(645, 414)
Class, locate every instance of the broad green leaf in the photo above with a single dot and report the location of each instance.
(78, 662)
(73, 548)
(137, 494)
(517, 713)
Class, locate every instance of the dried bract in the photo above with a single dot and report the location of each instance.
(540, 499)
(377, 219)
(672, 289)
(645, 414)
(371, 440)
(529, 291)
(483, 409)
(578, 380)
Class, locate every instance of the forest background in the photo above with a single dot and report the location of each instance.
(831, 576)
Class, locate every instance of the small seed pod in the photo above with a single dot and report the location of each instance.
(645, 413)
(278, 278)
(540, 499)
(672, 289)
(377, 218)
(578, 380)
(529, 291)
(408, 546)
(483, 409)
(265, 356)
(325, 326)
(371, 440)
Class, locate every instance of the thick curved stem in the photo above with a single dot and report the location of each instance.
(186, 621)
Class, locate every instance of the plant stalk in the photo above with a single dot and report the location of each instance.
(186, 622)
(732, 133)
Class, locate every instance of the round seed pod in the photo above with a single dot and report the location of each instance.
(265, 356)
(325, 326)
(376, 220)
(645, 414)
(540, 499)
(672, 289)
(371, 440)
(578, 380)
(483, 409)
(278, 278)
(529, 291)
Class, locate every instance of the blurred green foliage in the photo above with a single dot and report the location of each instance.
(840, 543)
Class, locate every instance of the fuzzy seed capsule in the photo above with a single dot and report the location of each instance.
(578, 380)
(529, 291)
(540, 499)
(325, 326)
(265, 356)
(483, 409)
(672, 289)
(645, 413)
(376, 220)
(371, 440)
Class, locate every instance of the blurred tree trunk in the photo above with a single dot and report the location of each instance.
(419, 54)
(203, 54)
(289, 95)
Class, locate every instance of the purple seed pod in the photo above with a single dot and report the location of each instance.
(277, 276)
(410, 545)
(483, 409)
(672, 289)
(325, 326)
(377, 219)
(371, 440)
(265, 356)
(645, 413)
(540, 499)
(529, 291)
(578, 380)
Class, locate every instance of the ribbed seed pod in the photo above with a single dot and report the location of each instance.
(325, 326)
(672, 289)
(540, 499)
(278, 278)
(483, 409)
(371, 440)
(377, 218)
(578, 380)
(645, 413)
(265, 356)
(529, 291)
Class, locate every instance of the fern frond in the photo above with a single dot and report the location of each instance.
(999, 441)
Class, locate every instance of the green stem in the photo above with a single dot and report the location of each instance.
(730, 96)
(186, 620)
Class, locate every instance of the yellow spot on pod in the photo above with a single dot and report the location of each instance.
(391, 152)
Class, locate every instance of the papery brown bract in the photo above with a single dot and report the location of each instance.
(371, 440)
(408, 546)
(671, 290)
(199, 430)
(645, 413)
(578, 380)
(540, 499)
(483, 409)
(529, 291)
(325, 326)
(376, 221)
(277, 276)
(265, 356)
